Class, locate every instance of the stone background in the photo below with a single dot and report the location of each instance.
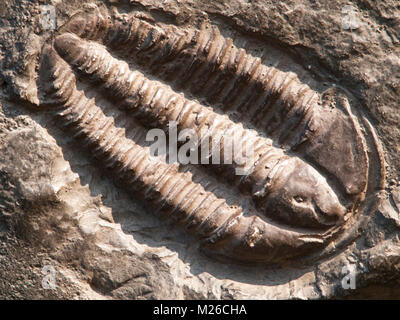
(58, 210)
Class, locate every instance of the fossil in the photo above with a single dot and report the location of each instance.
(309, 185)
(210, 66)
(166, 190)
(150, 100)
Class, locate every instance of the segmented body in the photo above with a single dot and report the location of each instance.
(157, 105)
(160, 183)
(210, 66)
(302, 207)
(164, 189)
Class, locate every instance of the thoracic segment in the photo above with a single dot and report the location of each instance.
(170, 193)
(155, 103)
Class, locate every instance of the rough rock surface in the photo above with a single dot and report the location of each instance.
(57, 210)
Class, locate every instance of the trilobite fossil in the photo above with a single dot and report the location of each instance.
(303, 195)
(212, 67)
(153, 101)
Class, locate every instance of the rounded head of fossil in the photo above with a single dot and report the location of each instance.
(300, 196)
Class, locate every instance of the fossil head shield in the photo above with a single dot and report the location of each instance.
(300, 201)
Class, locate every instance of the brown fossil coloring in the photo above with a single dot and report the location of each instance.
(307, 199)
(297, 209)
(170, 193)
(210, 66)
